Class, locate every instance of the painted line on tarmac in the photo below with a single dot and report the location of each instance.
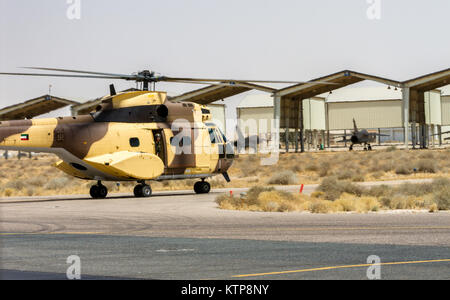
(341, 267)
(355, 228)
(258, 228)
(50, 233)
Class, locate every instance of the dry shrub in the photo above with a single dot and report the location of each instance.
(427, 154)
(345, 174)
(264, 199)
(15, 185)
(391, 149)
(358, 178)
(348, 202)
(284, 178)
(377, 174)
(296, 168)
(433, 208)
(312, 166)
(404, 169)
(270, 201)
(442, 198)
(226, 201)
(427, 166)
(253, 194)
(333, 188)
(378, 191)
(8, 192)
(57, 183)
(320, 206)
(324, 168)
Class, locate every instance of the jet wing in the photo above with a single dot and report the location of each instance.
(343, 136)
(440, 133)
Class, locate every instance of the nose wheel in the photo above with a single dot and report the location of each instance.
(98, 191)
(202, 187)
(142, 190)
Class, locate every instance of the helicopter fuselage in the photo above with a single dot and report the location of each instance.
(131, 136)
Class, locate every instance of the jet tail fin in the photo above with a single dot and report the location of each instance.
(355, 128)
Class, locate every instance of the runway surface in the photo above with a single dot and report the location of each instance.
(180, 235)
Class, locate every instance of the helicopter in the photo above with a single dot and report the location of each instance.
(131, 136)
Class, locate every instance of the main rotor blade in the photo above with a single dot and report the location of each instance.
(230, 84)
(175, 79)
(124, 76)
(62, 75)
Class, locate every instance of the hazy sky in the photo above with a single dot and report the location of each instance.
(260, 39)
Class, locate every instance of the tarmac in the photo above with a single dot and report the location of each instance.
(181, 235)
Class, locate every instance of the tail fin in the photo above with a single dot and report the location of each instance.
(240, 136)
(355, 128)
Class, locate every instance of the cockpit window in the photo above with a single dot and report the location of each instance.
(223, 135)
(212, 136)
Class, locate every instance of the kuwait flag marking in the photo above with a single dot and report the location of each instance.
(24, 137)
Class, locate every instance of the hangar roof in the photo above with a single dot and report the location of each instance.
(86, 107)
(213, 93)
(337, 81)
(34, 107)
(363, 94)
(430, 81)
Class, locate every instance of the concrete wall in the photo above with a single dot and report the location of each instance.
(445, 103)
(255, 120)
(368, 114)
(432, 104)
(218, 115)
(314, 114)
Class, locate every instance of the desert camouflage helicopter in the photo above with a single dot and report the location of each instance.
(131, 136)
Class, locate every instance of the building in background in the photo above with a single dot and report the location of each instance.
(218, 115)
(378, 109)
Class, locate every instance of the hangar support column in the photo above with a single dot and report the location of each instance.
(406, 98)
(302, 127)
(276, 122)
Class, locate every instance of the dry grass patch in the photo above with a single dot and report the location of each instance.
(342, 196)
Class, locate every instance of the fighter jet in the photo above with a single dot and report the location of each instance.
(361, 137)
(243, 143)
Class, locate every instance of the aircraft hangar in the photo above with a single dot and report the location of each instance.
(314, 108)
(288, 111)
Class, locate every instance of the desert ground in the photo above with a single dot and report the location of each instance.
(38, 177)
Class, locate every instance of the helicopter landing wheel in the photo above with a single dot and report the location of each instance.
(98, 191)
(351, 148)
(369, 147)
(142, 190)
(202, 187)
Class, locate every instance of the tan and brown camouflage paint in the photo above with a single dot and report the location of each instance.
(86, 139)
